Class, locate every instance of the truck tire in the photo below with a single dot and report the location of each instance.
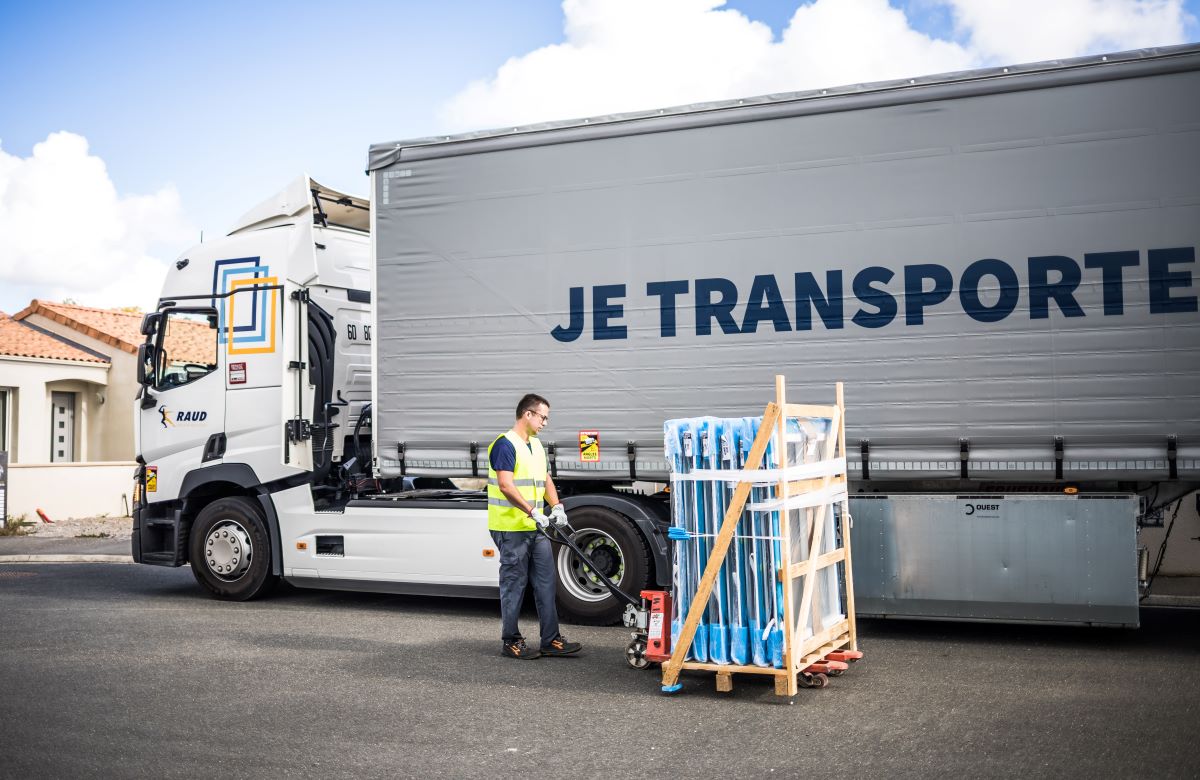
(618, 550)
(230, 550)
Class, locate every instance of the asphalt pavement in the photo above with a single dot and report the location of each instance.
(130, 671)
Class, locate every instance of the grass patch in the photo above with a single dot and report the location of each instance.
(15, 526)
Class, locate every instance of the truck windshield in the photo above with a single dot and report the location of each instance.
(189, 348)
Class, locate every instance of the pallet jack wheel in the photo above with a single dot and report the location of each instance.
(806, 680)
(820, 680)
(635, 654)
(836, 672)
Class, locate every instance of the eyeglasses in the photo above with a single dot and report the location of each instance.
(545, 417)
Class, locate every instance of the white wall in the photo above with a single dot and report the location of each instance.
(64, 490)
(30, 415)
(115, 415)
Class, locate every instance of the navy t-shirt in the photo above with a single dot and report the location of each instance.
(504, 455)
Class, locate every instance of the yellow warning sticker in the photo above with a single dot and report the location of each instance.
(152, 479)
(589, 446)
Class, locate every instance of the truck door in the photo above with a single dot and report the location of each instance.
(182, 417)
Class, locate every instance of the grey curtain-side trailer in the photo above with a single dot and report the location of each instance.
(999, 264)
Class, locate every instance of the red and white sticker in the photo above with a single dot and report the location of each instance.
(237, 373)
(656, 626)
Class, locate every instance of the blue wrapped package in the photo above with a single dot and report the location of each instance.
(714, 504)
(738, 563)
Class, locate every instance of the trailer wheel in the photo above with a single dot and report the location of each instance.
(619, 552)
(230, 550)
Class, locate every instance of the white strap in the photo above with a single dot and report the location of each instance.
(736, 536)
(824, 468)
(826, 495)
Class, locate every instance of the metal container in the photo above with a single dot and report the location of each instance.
(997, 558)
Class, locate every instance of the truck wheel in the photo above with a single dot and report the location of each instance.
(619, 552)
(230, 550)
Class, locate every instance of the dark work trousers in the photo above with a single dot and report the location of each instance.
(525, 556)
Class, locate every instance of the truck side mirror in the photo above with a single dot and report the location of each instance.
(145, 363)
(150, 323)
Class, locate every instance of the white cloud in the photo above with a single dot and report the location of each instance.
(620, 55)
(626, 55)
(1034, 30)
(65, 231)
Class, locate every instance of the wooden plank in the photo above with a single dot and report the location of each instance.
(697, 666)
(724, 682)
(824, 650)
(782, 491)
(783, 685)
(808, 410)
(848, 570)
(823, 561)
(806, 570)
(813, 642)
(720, 547)
(808, 485)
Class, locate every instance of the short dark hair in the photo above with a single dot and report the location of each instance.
(530, 402)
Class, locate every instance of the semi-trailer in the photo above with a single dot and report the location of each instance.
(998, 264)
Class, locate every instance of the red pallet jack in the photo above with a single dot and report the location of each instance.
(648, 616)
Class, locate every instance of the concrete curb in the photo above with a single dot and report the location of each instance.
(65, 558)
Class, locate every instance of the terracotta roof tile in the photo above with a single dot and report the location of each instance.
(20, 340)
(122, 329)
(117, 328)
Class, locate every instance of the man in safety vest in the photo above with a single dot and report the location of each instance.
(519, 488)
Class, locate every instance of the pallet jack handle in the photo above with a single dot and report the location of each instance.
(559, 534)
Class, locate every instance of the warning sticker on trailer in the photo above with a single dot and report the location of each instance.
(237, 373)
(152, 479)
(589, 446)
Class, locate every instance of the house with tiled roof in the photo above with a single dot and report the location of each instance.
(48, 390)
(102, 411)
(68, 379)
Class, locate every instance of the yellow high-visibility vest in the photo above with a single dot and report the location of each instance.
(529, 477)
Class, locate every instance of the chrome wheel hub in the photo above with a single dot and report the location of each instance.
(227, 550)
(580, 579)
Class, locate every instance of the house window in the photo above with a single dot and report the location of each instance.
(62, 428)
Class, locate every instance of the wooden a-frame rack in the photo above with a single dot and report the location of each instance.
(827, 650)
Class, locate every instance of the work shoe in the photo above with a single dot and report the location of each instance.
(560, 646)
(517, 649)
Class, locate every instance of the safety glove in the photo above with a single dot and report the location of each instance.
(539, 517)
(558, 515)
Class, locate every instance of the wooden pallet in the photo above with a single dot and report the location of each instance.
(806, 662)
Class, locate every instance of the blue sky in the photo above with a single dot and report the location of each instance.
(247, 91)
(199, 111)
